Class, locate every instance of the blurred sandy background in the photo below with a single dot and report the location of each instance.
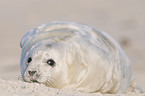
(124, 20)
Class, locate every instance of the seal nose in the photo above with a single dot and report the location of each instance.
(31, 73)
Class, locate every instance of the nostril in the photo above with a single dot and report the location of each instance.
(31, 73)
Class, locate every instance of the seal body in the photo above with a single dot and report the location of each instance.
(73, 55)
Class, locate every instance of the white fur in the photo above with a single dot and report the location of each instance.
(86, 59)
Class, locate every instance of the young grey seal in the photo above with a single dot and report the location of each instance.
(73, 55)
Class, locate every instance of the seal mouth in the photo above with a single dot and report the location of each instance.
(35, 81)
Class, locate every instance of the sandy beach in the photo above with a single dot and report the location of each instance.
(124, 20)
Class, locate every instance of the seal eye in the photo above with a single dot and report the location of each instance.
(29, 59)
(51, 62)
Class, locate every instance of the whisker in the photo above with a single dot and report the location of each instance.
(46, 83)
(49, 84)
(52, 80)
(52, 84)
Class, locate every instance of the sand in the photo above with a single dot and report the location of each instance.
(20, 88)
(124, 20)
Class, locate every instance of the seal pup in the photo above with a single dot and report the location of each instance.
(73, 55)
